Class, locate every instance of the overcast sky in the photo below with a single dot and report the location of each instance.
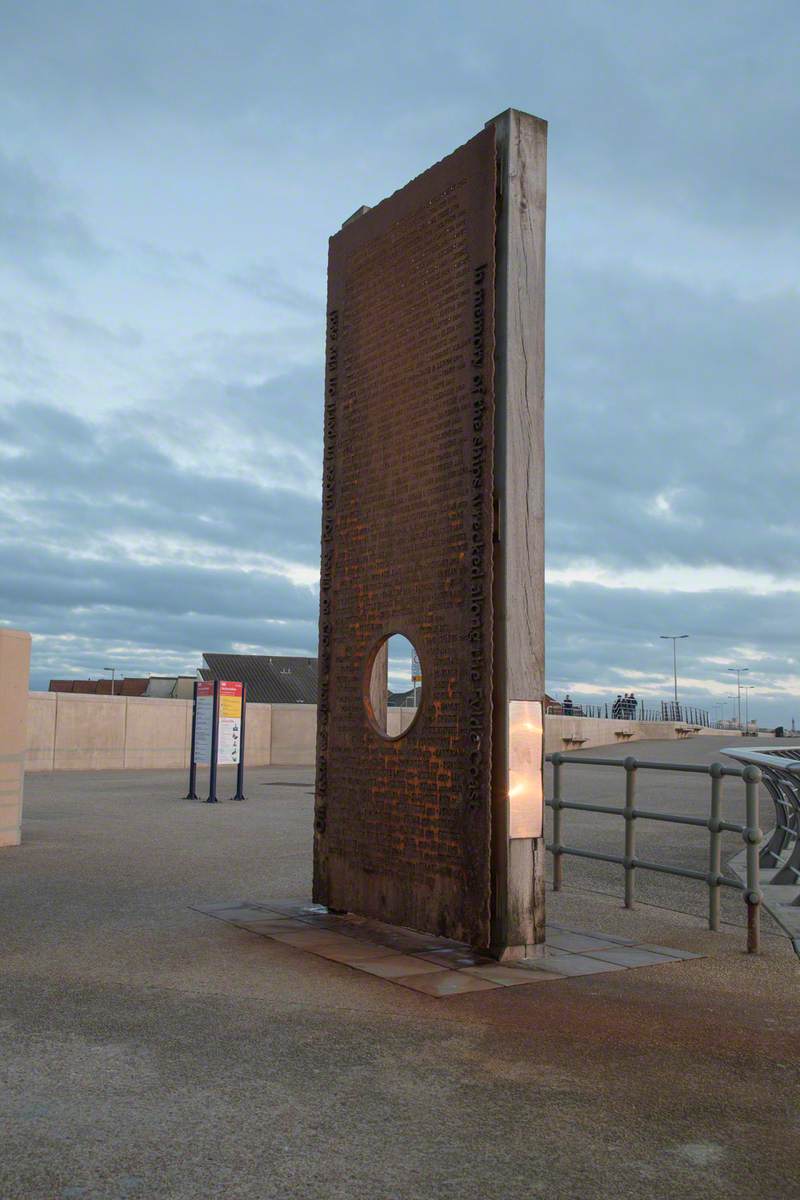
(169, 175)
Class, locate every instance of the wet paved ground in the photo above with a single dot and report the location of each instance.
(434, 965)
(149, 1051)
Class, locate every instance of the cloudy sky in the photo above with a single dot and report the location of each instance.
(169, 175)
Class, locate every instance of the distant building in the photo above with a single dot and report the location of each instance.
(270, 678)
(165, 687)
(171, 687)
(100, 687)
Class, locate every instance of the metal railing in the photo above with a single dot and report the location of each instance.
(780, 769)
(683, 714)
(714, 876)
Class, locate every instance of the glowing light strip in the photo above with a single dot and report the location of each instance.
(525, 790)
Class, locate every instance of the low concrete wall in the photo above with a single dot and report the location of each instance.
(574, 733)
(563, 733)
(398, 720)
(294, 734)
(258, 735)
(90, 733)
(15, 665)
(42, 707)
(68, 731)
(158, 733)
(73, 732)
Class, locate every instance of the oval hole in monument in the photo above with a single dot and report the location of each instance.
(395, 686)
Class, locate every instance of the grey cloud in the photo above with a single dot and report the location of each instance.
(610, 636)
(36, 228)
(655, 388)
(681, 105)
(267, 282)
(84, 487)
(44, 580)
(22, 365)
(279, 421)
(85, 329)
(692, 106)
(82, 479)
(715, 619)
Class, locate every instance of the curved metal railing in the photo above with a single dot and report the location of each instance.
(780, 771)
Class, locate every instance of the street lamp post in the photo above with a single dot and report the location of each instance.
(113, 671)
(747, 689)
(733, 704)
(674, 638)
(739, 671)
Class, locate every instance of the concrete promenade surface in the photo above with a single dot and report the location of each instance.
(149, 1051)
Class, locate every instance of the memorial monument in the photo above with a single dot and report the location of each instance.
(432, 527)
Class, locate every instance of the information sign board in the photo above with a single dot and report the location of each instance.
(230, 722)
(204, 721)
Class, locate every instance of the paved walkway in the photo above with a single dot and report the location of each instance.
(152, 1052)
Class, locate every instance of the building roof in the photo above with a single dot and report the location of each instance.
(163, 686)
(270, 678)
(171, 687)
(100, 687)
(131, 687)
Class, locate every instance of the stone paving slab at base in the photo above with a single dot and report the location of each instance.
(433, 965)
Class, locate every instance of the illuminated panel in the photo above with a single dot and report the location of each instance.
(525, 798)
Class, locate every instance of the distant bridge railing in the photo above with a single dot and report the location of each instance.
(714, 877)
(668, 711)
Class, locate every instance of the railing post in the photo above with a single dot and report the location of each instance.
(752, 836)
(715, 847)
(630, 829)
(558, 858)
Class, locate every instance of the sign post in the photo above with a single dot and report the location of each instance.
(214, 748)
(416, 673)
(218, 724)
(202, 730)
(240, 766)
(192, 793)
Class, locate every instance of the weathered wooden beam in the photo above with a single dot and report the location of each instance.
(518, 863)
